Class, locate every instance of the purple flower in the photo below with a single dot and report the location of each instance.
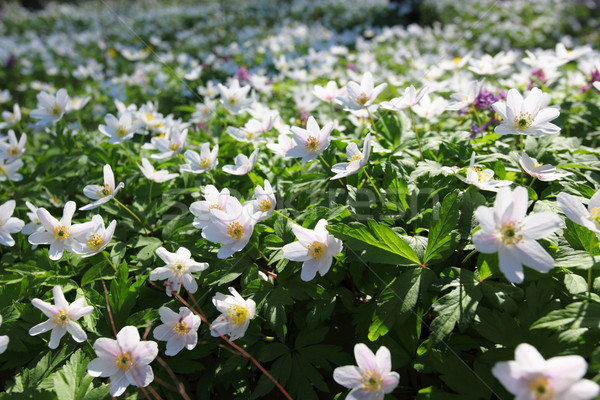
(485, 99)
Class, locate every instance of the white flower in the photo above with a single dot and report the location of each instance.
(372, 379)
(157, 176)
(356, 159)
(77, 103)
(245, 134)
(328, 93)
(265, 201)
(61, 235)
(361, 96)
(315, 248)
(236, 314)
(102, 194)
(234, 97)
(409, 99)
(430, 109)
(170, 146)
(310, 142)
(213, 201)
(243, 164)
(9, 170)
(543, 172)
(62, 317)
(125, 360)
(203, 162)
(483, 179)
(576, 211)
(11, 118)
(204, 111)
(284, 143)
(3, 340)
(232, 229)
(35, 224)
(506, 230)
(528, 116)
(98, 237)
(8, 223)
(178, 330)
(119, 130)
(13, 148)
(50, 108)
(531, 377)
(488, 65)
(178, 270)
(464, 99)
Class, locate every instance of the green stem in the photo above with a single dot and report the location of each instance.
(150, 194)
(128, 210)
(285, 216)
(372, 122)
(593, 262)
(471, 254)
(374, 187)
(324, 162)
(12, 184)
(533, 180)
(478, 119)
(412, 121)
(110, 262)
(521, 141)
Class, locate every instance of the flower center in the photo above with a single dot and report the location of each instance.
(312, 144)
(178, 268)
(509, 233)
(237, 314)
(174, 146)
(54, 110)
(523, 121)
(541, 389)
(316, 249)
(95, 242)
(180, 328)
(481, 176)
(124, 361)
(355, 157)
(13, 150)
(2, 170)
(595, 214)
(62, 318)
(538, 164)
(265, 205)
(61, 232)
(362, 99)
(215, 206)
(203, 162)
(149, 117)
(235, 230)
(105, 191)
(121, 130)
(371, 381)
(232, 100)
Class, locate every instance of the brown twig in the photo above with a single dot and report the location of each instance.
(112, 322)
(179, 386)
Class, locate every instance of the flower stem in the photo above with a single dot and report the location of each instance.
(589, 280)
(412, 121)
(533, 180)
(105, 254)
(471, 254)
(374, 187)
(478, 119)
(521, 141)
(285, 216)
(150, 194)
(324, 162)
(129, 211)
(372, 122)
(261, 253)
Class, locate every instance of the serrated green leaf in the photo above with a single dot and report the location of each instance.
(442, 239)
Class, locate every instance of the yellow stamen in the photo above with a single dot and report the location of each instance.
(312, 144)
(371, 381)
(121, 131)
(149, 117)
(54, 110)
(61, 232)
(355, 157)
(13, 150)
(595, 214)
(174, 146)
(481, 176)
(523, 121)
(362, 99)
(124, 361)
(203, 162)
(265, 205)
(541, 389)
(178, 268)
(235, 230)
(106, 191)
(95, 242)
(509, 233)
(237, 314)
(62, 318)
(215, 206)
(316, 249)
(180, 328)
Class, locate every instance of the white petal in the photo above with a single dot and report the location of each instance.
(540, 225)
(348, 376)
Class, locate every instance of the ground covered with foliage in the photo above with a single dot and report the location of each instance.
(308, 200)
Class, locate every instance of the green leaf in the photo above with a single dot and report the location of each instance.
(575, 315)
(456, 307)
(442, 239)
(382, 246)
(581, 238)
(72, 382)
